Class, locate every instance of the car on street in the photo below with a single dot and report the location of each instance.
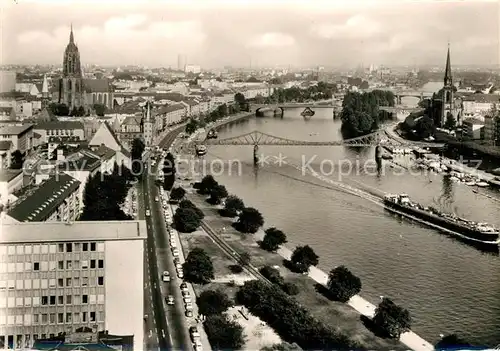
(187, 299)
(180, 274)
(175, 252)
(189, 313)
(177, 260)
(185, 293)
(184, 286)
(178, 266)
(193, 331)
(165, 276)
(156, 199)
(148, 213)
(173, 244)
(197, 345)
(170, 300)
(189, 306)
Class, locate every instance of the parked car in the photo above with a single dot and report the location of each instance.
(173, 245)
(148, 213)
(197, 345)
(170, 300)
(177, 260)
(189, 313)
(180, 274)
(178, 266)
(156, 199)
(189, 306)
(166, 276)
(184, 286)
(175, 252)
(193, 331)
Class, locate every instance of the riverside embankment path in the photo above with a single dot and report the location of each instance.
(410, 339)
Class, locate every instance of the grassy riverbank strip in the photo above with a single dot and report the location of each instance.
(338, 315)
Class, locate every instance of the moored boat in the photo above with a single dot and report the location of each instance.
(212, 134)
(474, 232)
(307, 112)
(201, 150)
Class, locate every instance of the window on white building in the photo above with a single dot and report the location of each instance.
(27, 301)
(11, 302)
(36, 249)
(45, 266)
(45, 249)
(36, 301)
(27, 284)
(19, 284)
(36, 283)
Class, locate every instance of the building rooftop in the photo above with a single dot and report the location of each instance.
(86, 341)
(80, 161)
(5, 145)
(15, 130)
(104, 152)
(36, 232)
(485, 98)
(170, 108)
(51, 125)
(6, 175)
(40, 202)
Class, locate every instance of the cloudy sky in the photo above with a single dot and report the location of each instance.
(271, 32)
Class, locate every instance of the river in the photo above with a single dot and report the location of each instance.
(447, 286)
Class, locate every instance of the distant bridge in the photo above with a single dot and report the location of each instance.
(257, 138)
(405, 110)
(401, 93)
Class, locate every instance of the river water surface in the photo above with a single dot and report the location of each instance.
(447, 286)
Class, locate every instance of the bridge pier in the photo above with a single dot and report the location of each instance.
(256, 154)
(378, 154)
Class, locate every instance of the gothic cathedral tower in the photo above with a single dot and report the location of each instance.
(71, 83)
(447, 105)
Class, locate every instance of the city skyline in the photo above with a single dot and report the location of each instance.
(333, 33)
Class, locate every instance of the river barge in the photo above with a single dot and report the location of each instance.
(307, 113)
(472, 232)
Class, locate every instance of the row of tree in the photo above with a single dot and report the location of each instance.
(104, 195)
(63, 110)
(169, 171)
(289, 319)
(361, 114)
(249, 219)
(215, 115)
(223, 333)
(321, 91)
(136, 156)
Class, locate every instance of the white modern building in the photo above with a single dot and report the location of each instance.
(59, 277)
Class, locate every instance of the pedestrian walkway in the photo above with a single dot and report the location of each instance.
(410, 339)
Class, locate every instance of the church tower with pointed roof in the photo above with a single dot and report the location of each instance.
(71, 91)
(148, 124)
(447, 100)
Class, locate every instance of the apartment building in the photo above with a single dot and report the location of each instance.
(59, 128)
(64, 277)
(473, 129)
(6, 151)
(20, 136)
(55, 199)
(492, 130)
(11, 181)
(172, 114)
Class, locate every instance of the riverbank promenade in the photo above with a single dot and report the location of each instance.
(410, 339)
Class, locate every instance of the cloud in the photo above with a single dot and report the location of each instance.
(272, 40)
(216, 33)
(357, 26)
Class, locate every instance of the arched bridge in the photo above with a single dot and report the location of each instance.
(257, 138)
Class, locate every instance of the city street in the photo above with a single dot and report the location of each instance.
(165, 325)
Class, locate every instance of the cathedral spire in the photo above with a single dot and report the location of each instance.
(71, 38)
(448, 81)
